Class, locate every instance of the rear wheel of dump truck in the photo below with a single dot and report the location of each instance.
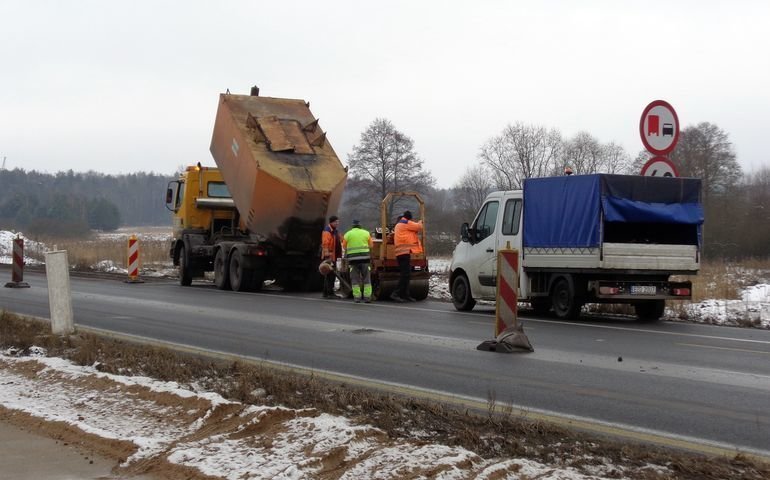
(650, 311)
(185, 276)
(240, 277)
(221, 270)
(461, 294)
(565, 303)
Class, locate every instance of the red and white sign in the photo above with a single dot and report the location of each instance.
(659, 167)
(659, 128)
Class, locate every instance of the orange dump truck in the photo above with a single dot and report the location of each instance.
(259, 215)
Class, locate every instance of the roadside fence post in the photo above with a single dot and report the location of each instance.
(59, 292)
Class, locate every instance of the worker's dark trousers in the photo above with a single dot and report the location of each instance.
(404, 270)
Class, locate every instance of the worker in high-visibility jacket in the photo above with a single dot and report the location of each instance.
(331, 250)
(407, 242)
(357, 243)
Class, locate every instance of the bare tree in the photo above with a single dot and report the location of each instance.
(705, 151)
(520, 152)
(638, 162)
(497, 155)
(385, 161)
(616, 160)
(472, 188)
(583, 154)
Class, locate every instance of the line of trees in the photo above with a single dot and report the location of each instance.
(737, 219)
(71, 204)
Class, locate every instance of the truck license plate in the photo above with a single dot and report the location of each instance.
(643, 290)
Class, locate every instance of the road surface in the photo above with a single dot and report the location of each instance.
(673, 383)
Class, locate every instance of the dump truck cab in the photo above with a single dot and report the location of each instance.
(202, 207)
(199, 199)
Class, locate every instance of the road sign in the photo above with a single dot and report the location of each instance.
(659, 128)
(659, 167)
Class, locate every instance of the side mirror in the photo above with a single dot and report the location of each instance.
(465, 234)
(169, 195)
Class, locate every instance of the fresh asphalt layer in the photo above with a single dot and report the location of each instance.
(698, 387)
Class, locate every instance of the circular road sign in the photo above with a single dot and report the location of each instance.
(659, 128)
(659, 167)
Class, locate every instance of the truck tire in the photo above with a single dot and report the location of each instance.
(650, 311)
(565, 303)
(240, 277)
(221, 270)
(185, 276)
(461, 294)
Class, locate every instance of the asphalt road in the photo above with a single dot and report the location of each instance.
(669, 382)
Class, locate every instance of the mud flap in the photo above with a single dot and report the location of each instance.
(510, 340)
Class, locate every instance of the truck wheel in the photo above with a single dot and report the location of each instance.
(565, 304)
(650, 311)
(221, 270)
(240, 277)
(461, 294)
(185, 277)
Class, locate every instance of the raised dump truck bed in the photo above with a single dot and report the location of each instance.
(259, 215)
(283, 174)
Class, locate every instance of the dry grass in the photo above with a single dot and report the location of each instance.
(499, 432)
(85, 253)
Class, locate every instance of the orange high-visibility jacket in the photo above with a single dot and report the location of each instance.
(331, 247)
(405, 237)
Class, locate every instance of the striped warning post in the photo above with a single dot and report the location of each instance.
(509, 333)
(17, 267)
(133, 260)
(507, 284)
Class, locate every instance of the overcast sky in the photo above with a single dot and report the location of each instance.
(119, 87)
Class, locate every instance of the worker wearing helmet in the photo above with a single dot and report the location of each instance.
(331, 250)
(357, 243)
(406, 242)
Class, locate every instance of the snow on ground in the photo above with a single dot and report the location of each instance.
(752, 309)
(231, 440)
(6, 247)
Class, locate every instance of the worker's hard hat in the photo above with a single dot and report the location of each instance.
(325, 268)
